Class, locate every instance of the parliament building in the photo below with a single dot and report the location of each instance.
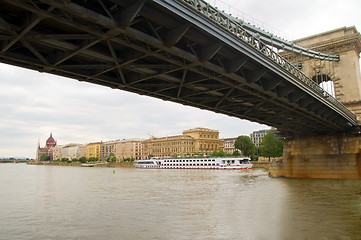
(47, 151)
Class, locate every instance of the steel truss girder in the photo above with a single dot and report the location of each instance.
(215, 86)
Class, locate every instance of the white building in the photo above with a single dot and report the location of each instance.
(57, 152)
(70, 151)
(229, 145)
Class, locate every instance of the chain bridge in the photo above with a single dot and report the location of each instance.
(181, 51)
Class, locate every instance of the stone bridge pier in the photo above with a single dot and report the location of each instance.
(337, 155)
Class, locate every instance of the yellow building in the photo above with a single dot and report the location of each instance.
(205, 140)
(196, 140)
(128, 149)
(147, 148)
(93, 150)
(174, 145)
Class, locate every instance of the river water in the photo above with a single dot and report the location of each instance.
(53, 202)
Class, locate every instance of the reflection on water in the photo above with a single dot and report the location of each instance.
(324, 207)
(51, 202)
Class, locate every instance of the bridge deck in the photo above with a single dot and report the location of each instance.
(168, 50)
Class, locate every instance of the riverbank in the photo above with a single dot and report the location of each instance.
(115, 164)
(261, 164)
(256, 164)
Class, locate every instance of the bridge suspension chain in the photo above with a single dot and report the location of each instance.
(232, 23)
(267, 43)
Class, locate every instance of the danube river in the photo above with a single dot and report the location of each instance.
(52, 202)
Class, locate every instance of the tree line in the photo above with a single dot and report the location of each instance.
(111, 158)
(269, 147)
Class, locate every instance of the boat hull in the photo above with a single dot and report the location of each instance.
(196, 167)
(196, 163)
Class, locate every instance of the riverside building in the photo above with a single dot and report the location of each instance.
(229, 145)
(82, 151)
(196, 140)
(107, 149)
(128, 149)
(147, 148)
(70, 151)
(57, 152)
(257, 136)
(93, 150)
(47, 151)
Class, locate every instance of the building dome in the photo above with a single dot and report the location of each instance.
(51, 141)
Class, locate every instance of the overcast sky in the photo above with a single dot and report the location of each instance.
(35, 104)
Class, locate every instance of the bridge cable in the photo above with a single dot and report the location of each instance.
(321, 72)
(316, 71)
(334, 77)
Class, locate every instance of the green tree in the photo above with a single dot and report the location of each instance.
(93, 159)
(236, 153)
(43, 157)
(219, 153)
(111, 158)
(271, 147)
(83, 160)
(128, 160)
(215, 153)
(245, 145)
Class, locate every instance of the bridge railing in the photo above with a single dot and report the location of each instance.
(232, 25)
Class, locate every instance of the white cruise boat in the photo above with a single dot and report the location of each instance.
(196, 163)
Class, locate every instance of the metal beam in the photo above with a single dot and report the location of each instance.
(181, 83)
(33, 21)
(254, 76)
(234, 65)
(208, 52)
(174, 35)
(230, 91)
(128, 14)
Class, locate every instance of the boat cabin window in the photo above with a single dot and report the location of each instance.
(244, 161)
(145, 162)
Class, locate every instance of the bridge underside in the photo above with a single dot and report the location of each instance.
(163, 50)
